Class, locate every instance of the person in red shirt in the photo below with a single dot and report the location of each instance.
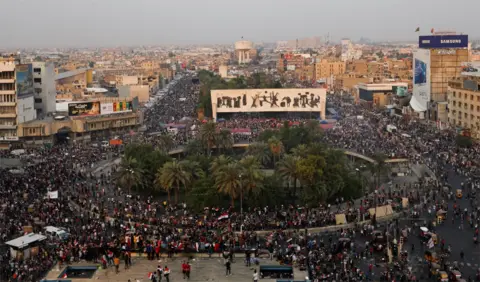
(184, 269)
(188, 268)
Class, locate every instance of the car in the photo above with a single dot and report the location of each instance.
(56, 233)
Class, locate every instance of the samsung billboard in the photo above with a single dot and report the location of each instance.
(443, 41)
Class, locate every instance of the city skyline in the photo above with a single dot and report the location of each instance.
(107, 23)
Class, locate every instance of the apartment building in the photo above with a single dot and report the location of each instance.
(8, 102)
(464, 103)
(325, 68)
(44, 84)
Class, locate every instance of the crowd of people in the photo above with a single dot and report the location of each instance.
(102, 218)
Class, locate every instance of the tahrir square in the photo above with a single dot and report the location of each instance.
(269, 102)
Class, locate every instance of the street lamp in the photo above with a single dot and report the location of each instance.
(241, 203)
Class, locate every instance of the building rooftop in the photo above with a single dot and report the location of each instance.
(26, 240)
(70, 73)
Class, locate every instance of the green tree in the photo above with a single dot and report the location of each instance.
(224, 140)
(130, 173)
(288, 170)
(165, 142)
(378, 168)
(194, 147)
(220, 163)
(227, 181)
(251, 175)
(261, 151)
(463, 141)
(208, 135)
(276, 148)
(172, 176)
(193, 171)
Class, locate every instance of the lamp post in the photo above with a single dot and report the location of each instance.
(241, 202)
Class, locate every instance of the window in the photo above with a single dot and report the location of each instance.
(38, 100)
(37, 80)
(471, 97)
(471, 107)
(37, 70)
(454, 94)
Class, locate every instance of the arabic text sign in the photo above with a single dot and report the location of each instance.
(269, 100)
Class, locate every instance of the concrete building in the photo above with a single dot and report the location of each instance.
(377, 94)
(8, 102)
(347, 82)
(45, 91)
(438, 59)
(326, 68)
(242, 51)
(464, 103)
(16, 98)
(74, 81)
(132, 91)
(223, 71)
(122, 80)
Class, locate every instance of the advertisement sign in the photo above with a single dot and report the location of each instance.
(24, 80)
(8, 138)
(84, 109)
(471, 68)
(443, 41)
(269, 100)
(421, 80)
(116, 107)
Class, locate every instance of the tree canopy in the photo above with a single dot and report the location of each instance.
(288, 165)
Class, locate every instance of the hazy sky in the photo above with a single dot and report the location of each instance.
(62, 23)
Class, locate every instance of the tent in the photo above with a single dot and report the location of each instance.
(340, 219)
(381, 211)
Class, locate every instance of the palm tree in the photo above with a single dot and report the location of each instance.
(208, 135)
(193, 171)
(171, 176)
(219, 163)
(165, 142)
(194, 147)
(251, 175)
(227, 181)
(301, 151)
(260, 151)
(130, 173)
(288, 170)
(378, 168)
(224, 140)
(276, 148)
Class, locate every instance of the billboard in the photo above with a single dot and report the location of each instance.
(116, 107)
(421, 80)
(24, 80)
(471, 68)
(269, 100)
(84, 109)
(443, 41)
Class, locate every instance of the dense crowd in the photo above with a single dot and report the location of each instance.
(102, 218)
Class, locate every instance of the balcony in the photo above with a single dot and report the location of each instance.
(5, 92)
(10, 80)
(3, 126)
(8, 104)
(8, 115)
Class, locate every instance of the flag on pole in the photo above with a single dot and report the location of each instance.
(417, 30)
(64, 276)
(430, 243)
(150, 274)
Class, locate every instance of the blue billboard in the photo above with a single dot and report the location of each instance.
(420, 72)
(24, 77)
(443, 41)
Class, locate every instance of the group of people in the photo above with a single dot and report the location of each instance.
(105, 222)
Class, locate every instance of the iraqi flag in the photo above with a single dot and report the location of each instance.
(150, 275)
(223, 216)
(64, 276)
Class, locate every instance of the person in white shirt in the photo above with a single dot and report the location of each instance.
(255, 276)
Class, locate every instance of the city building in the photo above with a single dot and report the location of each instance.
(132, 91)
(378, 94)
(122, 80)
(74, 81)
(17, 104)
(326, 68)
(243, 51)
(437, 60)
(223, 71)
(347, 82)
(83, 121)
(464, 101)
(45, 90)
